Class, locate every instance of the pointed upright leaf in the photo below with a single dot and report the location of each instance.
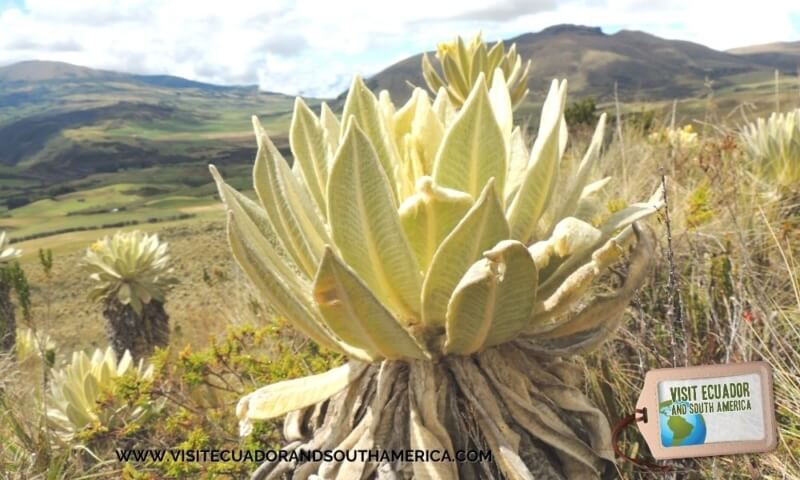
(430, 74)
(307, 139)
(253, 222)
(517, 163)
(287, 204)
(479, 60)
(473, 149)
(581, 178)
(501, 105)
(405, 115)
(330, 125)
(273, 288)
(495, 56)
(443, 108)
(362, 105)
(457, 83)
(540, 175)
(366, 228)
(464, 60)
(427, 131)
(521, 90)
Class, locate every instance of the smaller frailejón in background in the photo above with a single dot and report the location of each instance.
(773, 145)
(74, 400)
(463, 62)
(132, 275)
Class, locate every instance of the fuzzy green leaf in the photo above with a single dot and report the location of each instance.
(275, 291)
(254, 255)
(354, 314)
(287, 204)
(481, 228)
(540, 174)
(310, 150)
(634, 212)
(331, 127)
(501, 105)
(570, 203)
(283, 397)
(473, 149)
(366, 228)
(493, 301)
(517, 163)
(362, 105)
(430, 74)
(252, 221)
(429, 216)
(443, 108)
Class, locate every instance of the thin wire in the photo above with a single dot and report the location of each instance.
(619, 427)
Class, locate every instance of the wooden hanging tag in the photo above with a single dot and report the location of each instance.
(708, 410)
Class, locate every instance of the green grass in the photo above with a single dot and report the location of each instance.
(123, 203)
(115, 128)
(109, 197)
(77, 241)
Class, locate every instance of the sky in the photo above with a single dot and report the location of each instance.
(313, 47)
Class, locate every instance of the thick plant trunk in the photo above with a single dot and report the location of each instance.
(8, 320)
(529, 412)
(140, 334)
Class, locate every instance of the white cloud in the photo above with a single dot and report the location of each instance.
(314, 46)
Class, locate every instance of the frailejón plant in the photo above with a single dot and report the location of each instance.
(8, 316)
(773, 145)
(434, 251)
(463, 62)
(77, 390)
(32, 344)
(684, 138)
(132, 274)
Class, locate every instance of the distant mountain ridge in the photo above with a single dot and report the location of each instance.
(784, 56)
(641, 64)
(60, 121)
(48, 71)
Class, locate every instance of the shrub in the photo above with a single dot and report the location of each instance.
(581, 112)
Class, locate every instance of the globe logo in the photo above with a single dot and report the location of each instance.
(680, 430)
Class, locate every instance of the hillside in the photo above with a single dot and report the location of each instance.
(47, 71)
(643, 65)
(67, 128)
(60, 123)
(784, 56)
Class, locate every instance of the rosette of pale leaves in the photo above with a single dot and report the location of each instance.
(773, 145)
(32, 344)
(7, 252)
(131, 267)
(77, 391)
(461, 64)
(430, 246)
(683, 138)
